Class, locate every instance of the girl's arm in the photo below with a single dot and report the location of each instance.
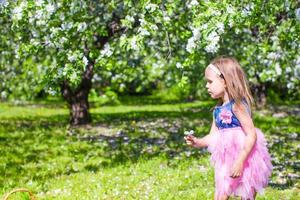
(204, 141)
(245, 119)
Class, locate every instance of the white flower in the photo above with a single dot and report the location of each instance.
(85, 61)
(290, 85)
(192, 3)
(203, 27)
(297, 13)
(66, 26)
(3, 95)
(179, 65)
(211, 48)
(154, 27)
(122, 85)
(63, 40)
(143, 31)
(129, 18)
(288, 70)
(106, 51)
(278, 69)
(191, 132)
(51, 91)
(230, 10)
(39, 2)
(39, 14)
(71, 57)
(247, 10)
(220, 27)
(190, 45)
(151, 7)
(4, 3)
(50, 8)
(196, 33)
(17, 12)
(166, 18)
(213, 37)
(81, 27)
(133, 44)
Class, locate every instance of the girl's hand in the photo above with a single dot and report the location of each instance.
(237, 169)
(191, 141)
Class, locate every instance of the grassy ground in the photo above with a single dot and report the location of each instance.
(130, 151)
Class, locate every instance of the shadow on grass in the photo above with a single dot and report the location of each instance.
(30, 144)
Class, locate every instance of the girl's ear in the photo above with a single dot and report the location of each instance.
(224, 82)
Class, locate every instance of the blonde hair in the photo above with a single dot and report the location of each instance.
(235, 78)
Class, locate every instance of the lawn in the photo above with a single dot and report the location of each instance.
(130, 151)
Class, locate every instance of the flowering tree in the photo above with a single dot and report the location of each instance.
(70, 43)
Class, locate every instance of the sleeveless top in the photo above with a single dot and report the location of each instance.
(224, 116)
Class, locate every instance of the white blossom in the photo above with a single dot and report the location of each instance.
(66, 26)
(190, 45)
(213, 36)
(220, 27)
(211, 48)
(106, 51)
(290, 85)
(143, 31)
(50, 8)
(142, 21)
(122, 86)
(230, 10)
(191, 132)
(85, 61)
(196, 33)
(133, 43)
(39, 2)
(3, 95)
(213, 39)
(4, 3)
(38, 14)
(151, 7)
(203, 26)
(247, 10)
(288, 70)
(81, 27)
(63, 40)
(18, 11)
(278, 69)
(192, 3)
(297, 13)
(129, 18)
(71, 57)
(166, 18)
(179, 65)
(154, 27)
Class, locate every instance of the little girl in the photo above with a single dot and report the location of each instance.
(238, 150)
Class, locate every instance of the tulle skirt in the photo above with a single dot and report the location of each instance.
(224, 146)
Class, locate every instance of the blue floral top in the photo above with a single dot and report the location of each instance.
(225, 118)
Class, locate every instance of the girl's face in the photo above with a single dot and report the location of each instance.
(215, 85)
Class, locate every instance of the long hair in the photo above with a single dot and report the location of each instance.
(235, 78)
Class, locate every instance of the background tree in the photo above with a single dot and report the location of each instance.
(130, 45)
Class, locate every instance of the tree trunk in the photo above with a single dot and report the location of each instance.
(260, 92)
(77, 98)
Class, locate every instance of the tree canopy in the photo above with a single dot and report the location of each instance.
(65, 46)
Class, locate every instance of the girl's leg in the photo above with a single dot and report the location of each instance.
(224, 197)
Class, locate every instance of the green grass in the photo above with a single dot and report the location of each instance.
(130, 151)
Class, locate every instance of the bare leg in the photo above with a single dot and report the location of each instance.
(224, 197)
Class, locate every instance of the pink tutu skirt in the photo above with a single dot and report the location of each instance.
(224, 146)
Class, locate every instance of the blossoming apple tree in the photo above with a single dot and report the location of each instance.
(68, 43)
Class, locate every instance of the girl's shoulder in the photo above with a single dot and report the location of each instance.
(243, 106)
